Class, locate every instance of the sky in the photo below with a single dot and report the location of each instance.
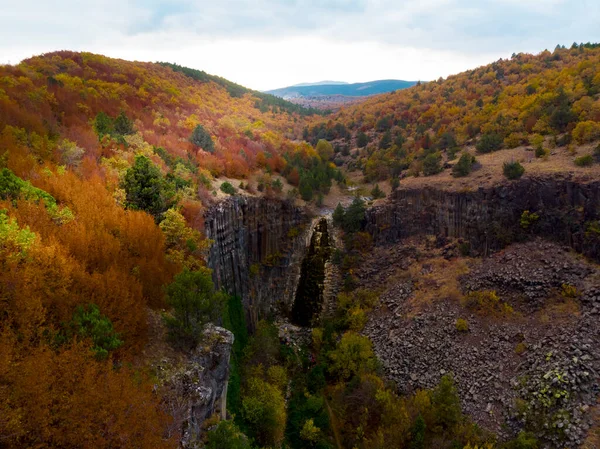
(267, 44)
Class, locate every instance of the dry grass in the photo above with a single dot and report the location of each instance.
(436, 279)
(559, 161)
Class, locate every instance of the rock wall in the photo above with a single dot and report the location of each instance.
(489, 219)
(259, 244)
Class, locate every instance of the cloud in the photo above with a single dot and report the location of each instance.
(269, 43)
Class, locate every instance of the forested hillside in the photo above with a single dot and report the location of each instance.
(545, 100)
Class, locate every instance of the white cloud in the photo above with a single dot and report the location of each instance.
(271, 43)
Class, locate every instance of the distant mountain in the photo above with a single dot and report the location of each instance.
(320, 83)
(350, 90)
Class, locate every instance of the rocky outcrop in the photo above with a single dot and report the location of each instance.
(259, 244)
(196, 389)
(488, 219)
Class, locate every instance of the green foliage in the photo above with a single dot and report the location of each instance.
(146, 189)
(417, 433)
(377, 193)
(446, 403)
(123, 126)
(489, 143)
(513, 170)
(432, 164)
(201, 138)
(277, 185)
(352, 356)
(524, 440)
(487, 302)
(354, 216)
(234, 319)
(14, 239)
(227, 188)
(361, 140)
(194, 301)
(264, 411)
(528, 219)
(103, 125)
(584, 161)
(13, 188)
(395, 183)
(338, 215)
(462, 325)
(227, 435)
(305, 189)
(88, 322)
(324, 149)
(464, 166)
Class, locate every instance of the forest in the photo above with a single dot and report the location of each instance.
(106, 170)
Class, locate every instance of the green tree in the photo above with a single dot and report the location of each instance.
(103, 125)
(305, 188)
(88, 322)
(386, 140)
(194, 301)
(123, 126)
(227, 435)
(354, 216)
(377, 193)
(361, 140)
(264, 411)
(338, 215)
(227, 188)
(446, 404)
(513, 170)
(201, 138)
(324, 149)
(432, 164)
(146, 189)
(353, 355)
(489, 143)
(417, 434)
(464, 166)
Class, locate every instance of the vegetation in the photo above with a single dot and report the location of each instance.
(202, 139)
(584, 161)
(513, 170)
(464, 166)
(227, 188)
(462, 325)
(194, 303)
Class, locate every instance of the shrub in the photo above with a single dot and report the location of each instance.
(462, 325)
(464, 166)
(587, 131)
(354, 216)
(394, 183)
(540, 152)
(377, 193)
(520, 348)
(584, 161)
(513, 170)
(489, 143)
(338, 215)
(528, 219)
(227, 188)
(432, 164)
(487, 302)
(569, 291)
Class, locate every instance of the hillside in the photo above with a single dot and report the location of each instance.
(548, 102)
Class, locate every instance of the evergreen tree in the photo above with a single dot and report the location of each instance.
(361, 140)
(338, 215)
(123, 126)
(201, 138)
(146, 188)
(354, 216)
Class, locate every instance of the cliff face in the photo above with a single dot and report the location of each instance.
(259, 244)
(490, 219)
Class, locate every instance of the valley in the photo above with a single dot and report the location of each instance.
(196, 264)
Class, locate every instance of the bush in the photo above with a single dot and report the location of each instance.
(587, 131)
(432, 164)
(489, 143)
(528, 219)
(464, 166)
(462, 325)
(487, 302)
(540, 152)
(338, 215)
(520, 348)
(354, 216)
(227, 188)
(513, 170)
(584, 161)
